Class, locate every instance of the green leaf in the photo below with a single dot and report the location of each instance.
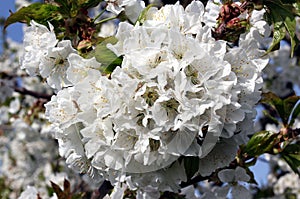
(191, 166)
(39, 12)
(284, 108)
(290, 25)
(295, 114)
(283, 19)
(289, 1)
(291, 154)
(278, 34)
(261, 142)
(291, 109)
(72, 7)
(89, 3)
(288, 106)
(63, 3)
(143, 14)
(108, 59)
(297, 8)
(269, 116)
(274, 102)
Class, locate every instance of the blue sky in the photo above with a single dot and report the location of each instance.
(15, 30)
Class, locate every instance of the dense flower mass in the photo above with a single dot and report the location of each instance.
(178, 92)
(148, 100)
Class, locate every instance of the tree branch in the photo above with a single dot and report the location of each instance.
(25, 91)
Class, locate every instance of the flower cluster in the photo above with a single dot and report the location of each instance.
(178, 93)
(45, 56)
(281, 74)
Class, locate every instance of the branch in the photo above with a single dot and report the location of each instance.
(25, 91)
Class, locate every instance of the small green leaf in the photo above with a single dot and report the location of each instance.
(74, 8)
(275, 102)
(291, 110)
(283, 19)
(295, 114)
(268, 115)
(39, 12)
(284, 108)
(291, 154)
(261, 142)
(108, 59)
(271, 99)
(141, 19)
(288, 105)
(289, 1)
(64, 6)
(63, 3)
(296, 8)
(71, 7)
(191, 166)
(278, 34)
(290, 24)
(90, 3)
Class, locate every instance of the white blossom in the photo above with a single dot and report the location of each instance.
(54, 64)
(132, 8)
(22, 3)
(62, 109)
(80, 67)
(107, 29)
(37, 40)
(45, 56)
(288, 182)
(6, 90)
(29, 193)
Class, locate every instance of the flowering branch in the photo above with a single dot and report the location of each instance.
(161, 104)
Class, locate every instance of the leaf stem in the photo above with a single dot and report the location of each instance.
(99, 15)
(105, 20)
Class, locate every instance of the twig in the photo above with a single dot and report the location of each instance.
(25, 91)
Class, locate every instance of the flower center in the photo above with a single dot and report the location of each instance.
(150, 95)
